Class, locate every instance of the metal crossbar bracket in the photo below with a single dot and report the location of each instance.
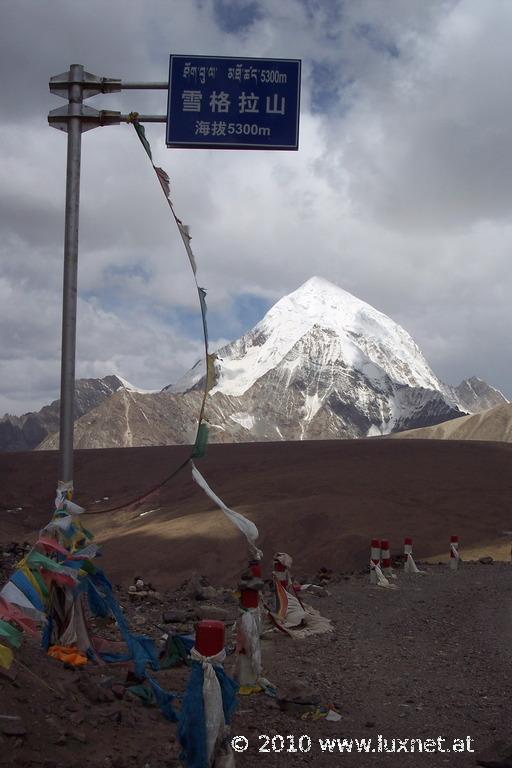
(89, 118)
(91, 85)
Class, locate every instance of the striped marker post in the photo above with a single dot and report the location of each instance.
(281, 574)
(454, 553)
(374, 559)
(385, 559)
(409, 564)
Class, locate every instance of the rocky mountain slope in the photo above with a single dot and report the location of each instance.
(131, 419)
(22, 433)
(321, 364)
(475, 395)
(494, 424)
(324, 364)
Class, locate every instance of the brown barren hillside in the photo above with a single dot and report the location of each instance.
(494, 424)
(319, 501)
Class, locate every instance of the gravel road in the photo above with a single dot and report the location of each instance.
(428, 660)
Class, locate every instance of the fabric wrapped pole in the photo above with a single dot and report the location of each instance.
(192, 724)
(249, 652)
(64, 491)
(63, 523)
(207, 709)
(251, 637)
(213, 712)
(51, 591)
(73, 509)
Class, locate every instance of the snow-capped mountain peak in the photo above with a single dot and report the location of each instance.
(363, 335)
(131, 388)
(321, 364)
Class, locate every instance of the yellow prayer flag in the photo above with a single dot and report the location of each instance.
(6, 657)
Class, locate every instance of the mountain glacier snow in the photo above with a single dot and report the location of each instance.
(321, 364)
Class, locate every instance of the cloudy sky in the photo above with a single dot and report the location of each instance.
(400, 193)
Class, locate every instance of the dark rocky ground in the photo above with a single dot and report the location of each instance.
(429, 659)
(320, 501)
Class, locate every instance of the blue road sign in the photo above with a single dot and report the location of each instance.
(233, 103)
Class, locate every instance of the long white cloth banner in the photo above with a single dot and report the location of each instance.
(246, 526)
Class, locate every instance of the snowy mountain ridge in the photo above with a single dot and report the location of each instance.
(362, 336)
(321, 364)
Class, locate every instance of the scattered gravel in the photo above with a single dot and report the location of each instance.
(426, 660)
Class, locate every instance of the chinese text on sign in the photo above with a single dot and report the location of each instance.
(233, 103)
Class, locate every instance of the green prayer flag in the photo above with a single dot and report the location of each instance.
(10, 633)
(201, 442)
(37, 560)
(141, 133)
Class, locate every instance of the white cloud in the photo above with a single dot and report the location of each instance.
(400, 191)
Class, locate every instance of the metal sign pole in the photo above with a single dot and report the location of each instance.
(274, 126)
(67, 375)
(75, 118)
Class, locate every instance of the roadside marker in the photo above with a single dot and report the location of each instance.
(409, 565)
(385, 559)
(454, 553)
(374, 559)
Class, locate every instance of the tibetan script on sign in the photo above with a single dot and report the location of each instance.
(227, 103)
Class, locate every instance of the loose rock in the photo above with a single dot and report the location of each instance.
(13, 727)
(212, 612)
